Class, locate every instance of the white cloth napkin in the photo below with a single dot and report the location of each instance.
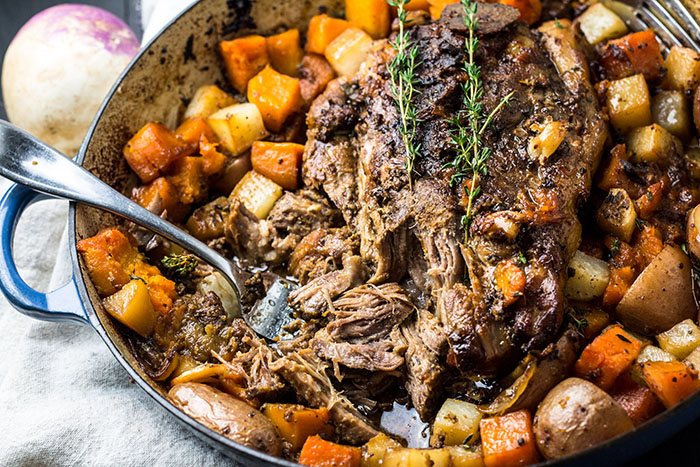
(64, 399)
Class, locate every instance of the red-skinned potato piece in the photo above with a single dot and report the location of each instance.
(243, 58)
(153, 149)
(280, 162)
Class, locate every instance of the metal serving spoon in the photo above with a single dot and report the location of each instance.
(27, 161)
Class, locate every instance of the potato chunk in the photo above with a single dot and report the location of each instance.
(132, 307)
(457, 422)
(347, 51)
(617, 215)
(651, 144)
(404, 457)
(681, 339)
(206, 101)
(237, 127)
(588, 277)
(683, 69)
(629, 103)
(374, 450)
(670, 109)
(599, 23)
(258, 193)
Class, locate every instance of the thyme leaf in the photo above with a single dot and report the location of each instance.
(179, 265)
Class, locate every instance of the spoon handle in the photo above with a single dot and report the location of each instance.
(27, 161)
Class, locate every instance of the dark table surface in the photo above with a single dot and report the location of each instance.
(679, 451)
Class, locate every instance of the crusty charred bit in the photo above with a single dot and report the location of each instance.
(306, 373)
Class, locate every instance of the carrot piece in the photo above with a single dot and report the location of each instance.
(280, 162)
(530, 10)
(277, 96)
(619, 283)
(192, 130)
(187, 177)
(320, 453)
(608, 356)
(285, 52)
(638, 52)
(640, 403)
(153, 149)
(322, 30)
(614, 175)
(296, 423)
(159, 196)
(373, 16)
(670, 381)
(243, 58)
(650, 200)
(108, 256)
(213, 161)
(436, 7)
(510, 280)
(162, 293)
(508, 440)
(315, 73)
(649, 243)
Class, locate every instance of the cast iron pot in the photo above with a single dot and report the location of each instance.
(155, 87)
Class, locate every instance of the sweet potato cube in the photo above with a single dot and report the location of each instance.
(373, 16)
(318, 452)
(508, 440)
(213, 161)
(244, 58)
(530, 10)
(285, 52)
(629, 103)
(323, 30)
(277, 96)
(237, 127)
(347, 52)
(192, 130)
(607, 357)
(638, 52)
(315, 73)
(295, 422)
(670, 381)
(207, 100)
(153, 149)
(162, 293)
(159, 196)
(108, 256)
(280, 162)
(683, 69)
(436, 7)
(416, 5)
(132, 307)
(187, 177)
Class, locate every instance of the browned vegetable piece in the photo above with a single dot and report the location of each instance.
(234, 171)
(577, 415)
(315, 73)
(693, 231)
(207, 222)
(227, 415)
(661, 296)
(617, 215)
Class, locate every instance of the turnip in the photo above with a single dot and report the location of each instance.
(59, 68)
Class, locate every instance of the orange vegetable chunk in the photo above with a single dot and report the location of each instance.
(162, 292)
(510, 280)
(153, 149)
(159, 196)
(530, 10)
(192, 130)
(670, 381)
(607, 357)
(108, 256)
(187, 177)
(415, 5)
(285, 52)
(296, 423)
(436, 7)
(277, 96)
(373, 16)
(638, 52)
(508, 440)
(280, 162)
(640, 403)
(132, 307)
(322, 30)
(213, 161)
(315, 73)
(320, 453)
(243, 58)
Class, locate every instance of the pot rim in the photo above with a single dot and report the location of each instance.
(626, 447)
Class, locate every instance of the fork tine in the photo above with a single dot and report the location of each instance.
(685, 18)
(650, 17)
(638, 21)
(668, 21)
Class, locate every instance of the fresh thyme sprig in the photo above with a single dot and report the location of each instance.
(180, 265)
(470, 123)
(403, 85)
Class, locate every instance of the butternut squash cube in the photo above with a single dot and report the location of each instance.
(373, 16)
(285, 52)
(153, 149)
(243, 58)
(277, 96)
(436, 7)
(132, 307)
(617, 215)
(237, 127)
(599, 23)
(323, 30)
(347, 52)
(683, 69)
(207, 100)
(651, 144)
(629, 103)
(257, 193)
(295, 422)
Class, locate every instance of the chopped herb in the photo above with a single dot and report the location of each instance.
(558, 24)
(684, 247)
(180, 265)
(641, 223)
(579, 323)
(137, 278)
(615, 248)
(522, 258)
(623, 338)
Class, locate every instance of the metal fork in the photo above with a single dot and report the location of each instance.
(670, 20)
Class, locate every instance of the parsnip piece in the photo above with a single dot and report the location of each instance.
(206, 101)
(671, 110)
(682, 69)
(237, 127)
(599, 24)
(588, 277)
(651, 144)
(258, 193)
(629, 103)
(681, 339)
(617, 215)
(347, 51)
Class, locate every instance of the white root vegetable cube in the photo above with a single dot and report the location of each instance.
(681, 339)
(347, 51)
(466, 457)
(207, 100)
(629, 103)
(617, 215)
(693, 360)
(652, 143)
(257, 193)
(671, 110)
(457, 422)
(238, 127)
(374, 450)
(599, 24)
(682, 69)
(588, 277)
(132, 306)
(649, 353)
(405, 457)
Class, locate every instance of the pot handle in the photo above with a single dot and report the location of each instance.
(63, 304)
